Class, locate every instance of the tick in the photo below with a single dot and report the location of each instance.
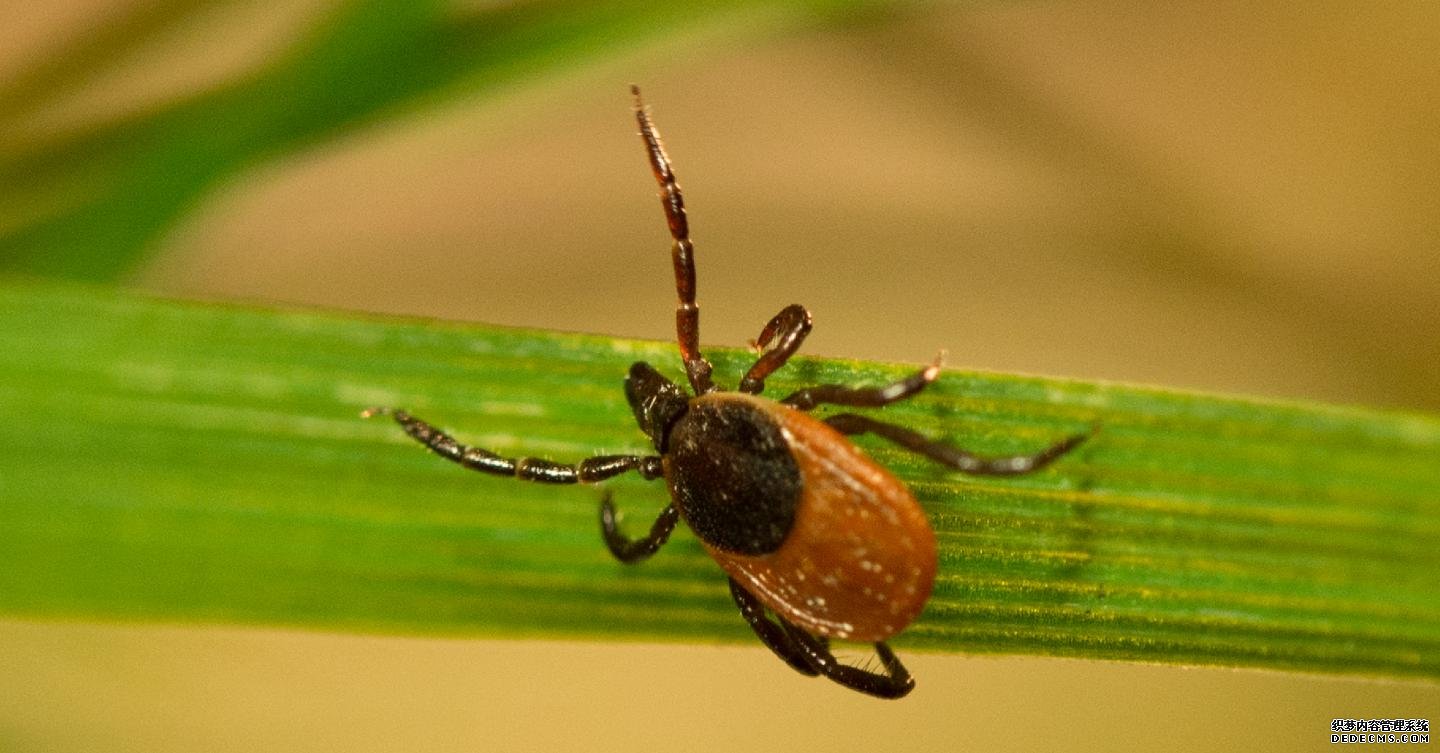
(819, 542)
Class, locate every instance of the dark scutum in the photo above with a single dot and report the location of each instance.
(733, 477)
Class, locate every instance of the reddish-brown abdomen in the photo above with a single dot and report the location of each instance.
(859, 561)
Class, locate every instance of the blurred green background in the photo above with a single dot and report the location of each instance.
(1213, 196)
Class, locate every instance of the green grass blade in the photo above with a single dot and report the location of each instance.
(88, 206)
(182, 462)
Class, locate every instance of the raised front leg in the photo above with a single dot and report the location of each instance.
(597, 468)
(682, 252)
(947, 454)
(787, 329)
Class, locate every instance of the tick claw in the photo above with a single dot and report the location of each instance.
(932, 372)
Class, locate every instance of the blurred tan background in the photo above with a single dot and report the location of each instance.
(1224, 198)
(1212, 196)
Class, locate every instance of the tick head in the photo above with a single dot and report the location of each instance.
(656, 401)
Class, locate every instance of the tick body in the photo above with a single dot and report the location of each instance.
(840, 548)
(819, 541)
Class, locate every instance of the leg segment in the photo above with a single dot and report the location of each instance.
(597, 468)
(682, 252)
(896, 682)
(629, 550)
(792, 324)
(771, 634)
(865, 397)
(850, 423)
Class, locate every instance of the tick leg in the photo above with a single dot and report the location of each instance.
(896, 681)
(771, 634)
(597, 468)
(629, 550)
(865, 397)
(682, 252)
(940, 452)
(792, 324)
